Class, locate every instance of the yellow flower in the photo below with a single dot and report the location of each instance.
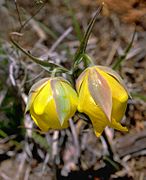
(51, 102)
(103, 97)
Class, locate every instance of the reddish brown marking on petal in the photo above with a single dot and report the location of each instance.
(100, 92)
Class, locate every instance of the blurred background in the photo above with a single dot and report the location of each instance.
(53, 29)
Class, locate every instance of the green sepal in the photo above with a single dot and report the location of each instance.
(61, 100)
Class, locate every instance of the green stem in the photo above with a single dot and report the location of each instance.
(87, 60)
(45, 64)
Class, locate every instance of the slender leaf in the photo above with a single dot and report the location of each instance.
(120, 59)
(82, 48)
(47, 65)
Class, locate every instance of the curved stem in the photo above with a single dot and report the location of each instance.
(45, 64)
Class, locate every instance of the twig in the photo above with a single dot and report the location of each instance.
(75, 138)
(8, 138)
(21, 166)
(112, 53)
(11, 71)
(108, 144)
(60, 39)
(3, 94)
(24, 24)
(55, 144)
(38, 30)
(54, 152)
(27, 173)
(17, 9)
(45, 162)
(4, 176)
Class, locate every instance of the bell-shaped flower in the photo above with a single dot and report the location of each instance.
(51, 102)
(103, 97)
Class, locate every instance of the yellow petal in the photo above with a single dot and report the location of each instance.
(98, 126)
(44, 107)
(40, 123)
(34, 91)
(119, 96)
(80, 79)
(43, 98)
(118, 90)
(119, 109)
(48, 119)
(118, 126)
(94, 111)
(87, 105)
(115, 75)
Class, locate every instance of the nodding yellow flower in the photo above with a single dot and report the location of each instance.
(51, 102)
(103, 97)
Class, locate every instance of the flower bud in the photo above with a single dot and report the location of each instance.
(51, 102)
(103, 97)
